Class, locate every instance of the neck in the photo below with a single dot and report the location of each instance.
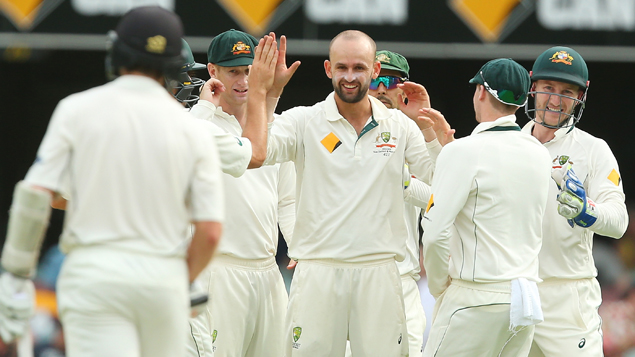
(356, 113)
(123, 72)
(543, 134)
(492, 115)
(238, 111)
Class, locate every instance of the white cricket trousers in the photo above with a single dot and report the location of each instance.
(415, 316)
(472, 320)
(332, 301)
(572, 325)
(246, 311)
(118, 303)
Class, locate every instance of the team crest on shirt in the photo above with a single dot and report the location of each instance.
(385, 144)
(560, 161)
(214, 335)
(297, 332)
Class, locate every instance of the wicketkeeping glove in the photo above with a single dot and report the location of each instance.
(17, 305)
(573, 204)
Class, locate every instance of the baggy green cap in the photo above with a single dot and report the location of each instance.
(190, 64)
(394, 61)
(506, 80)
(232, 48)
(562, 64)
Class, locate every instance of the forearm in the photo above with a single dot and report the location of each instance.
(612, 219)
(203, 110)
(272, 103)
(256, 127)
(436, 259)
(204, 242)
(417, 193)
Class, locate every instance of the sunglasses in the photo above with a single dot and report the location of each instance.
(390, 82)
(504, 96)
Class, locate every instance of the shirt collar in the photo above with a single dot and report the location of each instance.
(508, 120)
(379, 110)
(139, 83)
(558, 134)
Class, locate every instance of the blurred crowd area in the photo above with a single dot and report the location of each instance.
(614, 259)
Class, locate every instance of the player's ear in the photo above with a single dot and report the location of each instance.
(533, 88)
(327, 68)
(482, 92)
(211, 69)
(376, 69)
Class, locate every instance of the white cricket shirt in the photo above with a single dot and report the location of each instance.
(567, 252)
(349, 198)
(255, 203)
(492, 186)
(234, 151)
(139, 169)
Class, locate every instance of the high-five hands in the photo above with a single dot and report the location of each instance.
(283, 73)
(263, 69)
(436, 120)
(418, 98)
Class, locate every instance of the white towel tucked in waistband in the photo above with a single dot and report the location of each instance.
(525, 306)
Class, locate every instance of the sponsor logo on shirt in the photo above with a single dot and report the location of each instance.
(582, 343)
(331, 142)
(614, 177)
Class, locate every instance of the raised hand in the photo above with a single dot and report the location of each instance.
(283, 73)
(211, 91)
(262, 71)
(418, 98)
(433, 118)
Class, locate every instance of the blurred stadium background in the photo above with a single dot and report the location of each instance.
(52, 48)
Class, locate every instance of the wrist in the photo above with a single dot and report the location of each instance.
(588, 216)
(429, 134)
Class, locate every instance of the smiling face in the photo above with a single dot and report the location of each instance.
(235, 80)
(553, 108)
(351, 66)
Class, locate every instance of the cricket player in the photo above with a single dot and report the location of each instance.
(137, 178)
(395, 70)
(237, 153)
(590, 200)
(349, 152)
(248, 299)
(188, 87)
(492, 187)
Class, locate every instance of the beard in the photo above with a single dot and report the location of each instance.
(362, 92)
(387, 101)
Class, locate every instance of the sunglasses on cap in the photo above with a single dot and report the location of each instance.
(504, 96)
(390, 82)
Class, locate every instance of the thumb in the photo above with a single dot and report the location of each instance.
(294, 67)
